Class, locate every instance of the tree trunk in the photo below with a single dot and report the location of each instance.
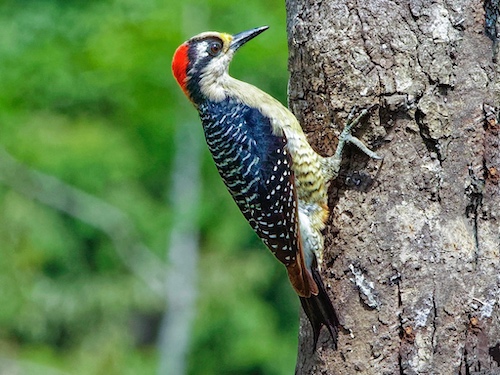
(412, 243)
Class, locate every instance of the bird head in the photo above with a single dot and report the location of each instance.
(200, 64)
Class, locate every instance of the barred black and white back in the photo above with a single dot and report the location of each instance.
(256, 168)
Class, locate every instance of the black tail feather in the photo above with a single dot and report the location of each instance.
(320, 312)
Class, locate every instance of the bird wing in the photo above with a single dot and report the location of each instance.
(256, 167)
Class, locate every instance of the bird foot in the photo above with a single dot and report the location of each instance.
(355, 116)
(346, 136)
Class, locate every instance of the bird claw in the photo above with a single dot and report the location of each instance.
(347, 137)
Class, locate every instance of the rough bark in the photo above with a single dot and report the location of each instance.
(413, 243)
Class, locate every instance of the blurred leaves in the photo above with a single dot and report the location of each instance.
(87, 100)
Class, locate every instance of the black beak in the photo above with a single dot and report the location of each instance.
(243, 37)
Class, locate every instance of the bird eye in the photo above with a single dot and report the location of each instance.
(214, 48)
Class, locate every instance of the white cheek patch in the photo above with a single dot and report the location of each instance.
(214, 76)
(201, 50)
(217, 67)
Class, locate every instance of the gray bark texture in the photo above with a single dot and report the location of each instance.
(412, 244)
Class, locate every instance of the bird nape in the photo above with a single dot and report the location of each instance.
(275, 177)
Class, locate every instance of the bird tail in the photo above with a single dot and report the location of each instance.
(320, 311)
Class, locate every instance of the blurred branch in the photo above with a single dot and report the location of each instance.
(91, 210)
(10, 366)
(182, 277)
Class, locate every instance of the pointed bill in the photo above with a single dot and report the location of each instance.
(243, 37)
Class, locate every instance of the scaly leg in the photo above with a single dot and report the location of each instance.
(332, 163)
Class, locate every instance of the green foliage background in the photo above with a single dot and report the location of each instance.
(87, 96)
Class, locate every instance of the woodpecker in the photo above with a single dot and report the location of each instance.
(261, 152)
